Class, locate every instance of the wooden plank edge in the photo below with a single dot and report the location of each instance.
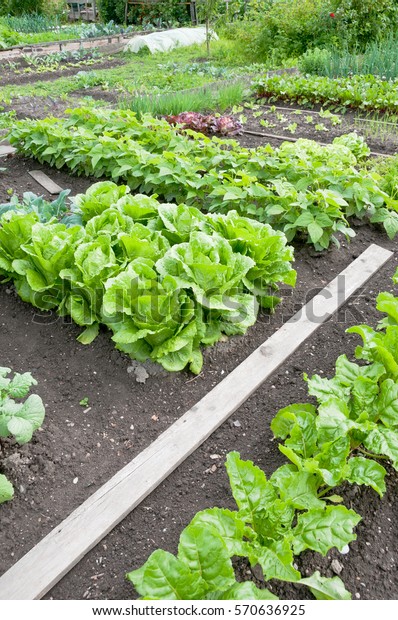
(45, 181)
(6, 150)
(52, 558)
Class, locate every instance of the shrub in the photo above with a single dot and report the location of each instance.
(19, 7)
(360, 21)
(314, 61)
(55, 8)
(4, 7)
(112, 10)
(291, 27)
(161, 13)
(8, 37)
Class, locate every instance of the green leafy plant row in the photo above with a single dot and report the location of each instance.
(363, 92)
(163, 278)
(17, 419)
(354, 426)
(303, 189)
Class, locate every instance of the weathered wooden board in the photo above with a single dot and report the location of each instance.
(49, 185)
(43, 566)
(6, 149)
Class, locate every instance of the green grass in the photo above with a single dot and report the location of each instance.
(151, 74)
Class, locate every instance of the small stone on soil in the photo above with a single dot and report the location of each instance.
(337, 567)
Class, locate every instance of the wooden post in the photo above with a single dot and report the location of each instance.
(194, 17)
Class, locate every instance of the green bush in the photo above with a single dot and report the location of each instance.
(8, 37)
(360, 21)
(112, 10)
(314, 61)
(244, 34)
(4, 7)
(290, 27)
(19, 7)
(161, 13)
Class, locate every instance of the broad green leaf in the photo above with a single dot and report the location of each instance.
(163, 576)
(273, 522)
(333, 420)
(321, 530)
(383, 441)
(6, 489)
(315, 232)
(26, 419)
(277, 561)
(326, 588)
(346, 371)
(249, 486)
(331, 460)
(298, 421)
(388, 403)
(364, 394)
(246, 591)
(20, 385)
(89, 334)
(300, 490)
(365, 471)
(206, 555)
(386, 302)
(228, 525)
(324, 389)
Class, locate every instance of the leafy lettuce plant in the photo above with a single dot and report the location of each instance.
(151, 318)
(17, 419)
(45, 210)
(165, 279)
(209, 125)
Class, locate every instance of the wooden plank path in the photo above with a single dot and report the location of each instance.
(44, 180)
(42, 567)
(7, 149)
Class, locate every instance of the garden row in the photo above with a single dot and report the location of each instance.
(189, 273)
(163, 278)
(341, 440)
(303, 190)
(367, 92)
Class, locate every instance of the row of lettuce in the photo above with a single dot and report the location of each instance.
(165, 279)
(341, 440)
(303, 189)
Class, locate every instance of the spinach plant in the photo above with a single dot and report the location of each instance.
(342, 440)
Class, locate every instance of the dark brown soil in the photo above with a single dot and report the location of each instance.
(380, 134)
(15, 178)
(368, 570)
(9, 76)
(81, 447)
(91, 443)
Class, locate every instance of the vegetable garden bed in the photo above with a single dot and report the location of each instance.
(103, 408)
(369, 567)
(97, 442)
